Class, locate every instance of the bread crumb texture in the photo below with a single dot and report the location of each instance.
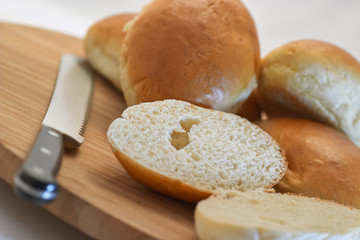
(259, 215)
(208, 149)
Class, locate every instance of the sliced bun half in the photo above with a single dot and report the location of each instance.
(191, 152)
(269, 216)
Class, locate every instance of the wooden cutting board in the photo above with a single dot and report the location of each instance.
(97, 196)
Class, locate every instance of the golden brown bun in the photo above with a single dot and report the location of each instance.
(103, 43)
(313, 79)
(205, 52)
(323, 162)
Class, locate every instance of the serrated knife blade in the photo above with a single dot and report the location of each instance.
(62, 126)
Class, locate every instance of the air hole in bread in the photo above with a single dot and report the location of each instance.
(235, 165)
(195, 156)
(155, 112)
(187, 122)
(239, 182)
(181, 139)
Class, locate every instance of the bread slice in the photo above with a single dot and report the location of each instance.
(259, 215)
(190, 152)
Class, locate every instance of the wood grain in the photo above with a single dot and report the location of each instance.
(97, 196)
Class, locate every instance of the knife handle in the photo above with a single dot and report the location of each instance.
(35, 181)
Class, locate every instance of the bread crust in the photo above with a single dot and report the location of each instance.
(161, 183)
(315, 80)
(142, 141)
(323, 162)
(109, 31)
(251, 109)
(170, 186)
(103, 42)
(205, 52)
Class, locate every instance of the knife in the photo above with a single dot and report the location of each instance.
(63, 126)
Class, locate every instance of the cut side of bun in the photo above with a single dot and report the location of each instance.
(190, 152)
(258, 215)
(313, 79)
(323, 162)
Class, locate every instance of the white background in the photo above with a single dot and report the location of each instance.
(278, 22)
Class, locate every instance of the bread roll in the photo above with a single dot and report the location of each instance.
(269, 216)
(205, 52)
(190, 152)
(315, 80)
(103, 43)
(323, 162)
